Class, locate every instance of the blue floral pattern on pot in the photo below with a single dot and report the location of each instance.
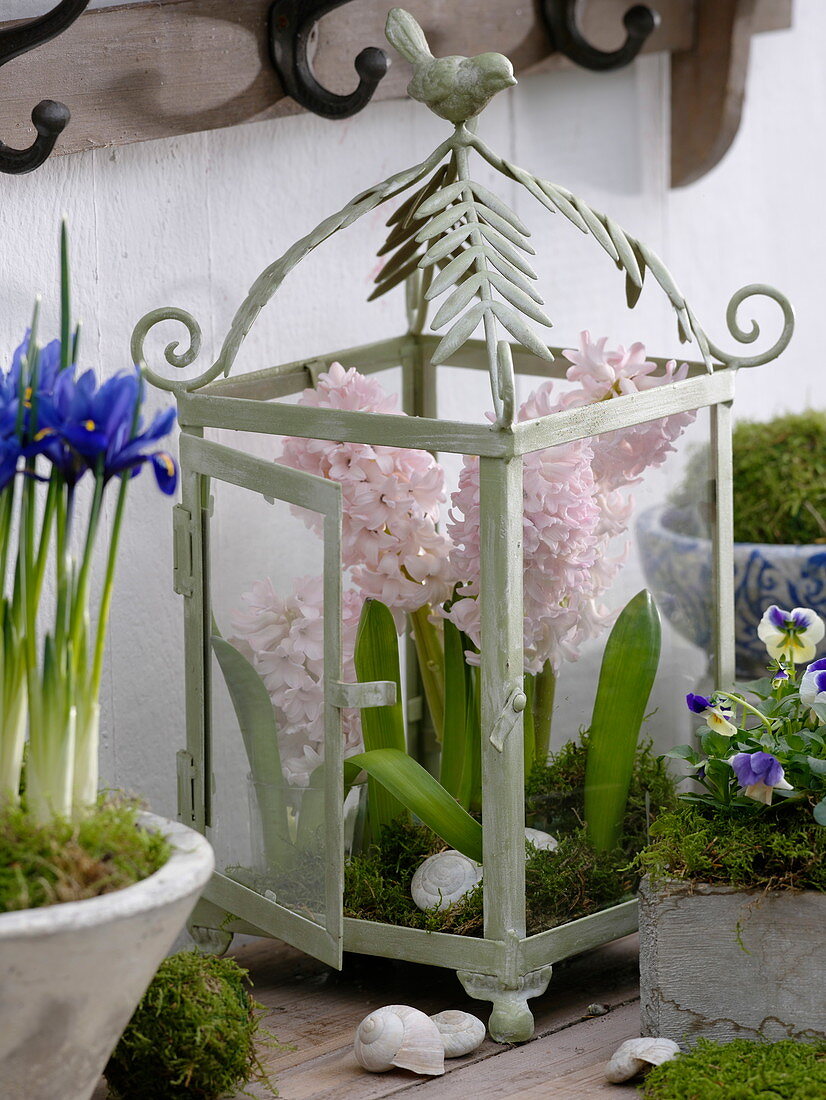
(677, 569)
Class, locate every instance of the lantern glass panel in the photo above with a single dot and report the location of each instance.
(267, 600)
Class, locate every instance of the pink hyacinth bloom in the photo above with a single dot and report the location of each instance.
(391, 498)
(284, 641)
(622, 456)
(573, 506)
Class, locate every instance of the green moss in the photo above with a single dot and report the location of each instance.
(68, 861)
(781, 849)
(779, 478)
(561, 886)
(742, 1070)
(192, 1035)
(555, 798)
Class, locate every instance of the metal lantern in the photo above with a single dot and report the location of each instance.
(454, 241)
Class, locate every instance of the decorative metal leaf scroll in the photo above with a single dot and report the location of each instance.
(454, 240)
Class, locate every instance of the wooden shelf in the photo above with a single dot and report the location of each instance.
(145, 71)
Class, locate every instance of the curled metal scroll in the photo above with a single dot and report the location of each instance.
(748, 336)
(291, 23)
(265, 286)
(560, 21)
(48, 117)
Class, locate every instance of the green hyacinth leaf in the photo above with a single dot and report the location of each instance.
(256, 720)
(376, 657)
(406, 781)
(629, 665)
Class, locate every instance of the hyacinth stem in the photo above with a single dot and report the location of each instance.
(529, 734)
(543, 706)
(430, 655)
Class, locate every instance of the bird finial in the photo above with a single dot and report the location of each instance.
(456, 88)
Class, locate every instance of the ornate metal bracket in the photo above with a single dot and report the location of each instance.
(292, 23)
(566, 37)
(49, 118)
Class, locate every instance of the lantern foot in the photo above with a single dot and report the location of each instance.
(511, 1021)
(210, 941)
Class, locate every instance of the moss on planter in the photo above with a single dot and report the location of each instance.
(561, 886)
(69, 861)
(191, 1037)
(779, 502)
(742, 1070)
(783, 848)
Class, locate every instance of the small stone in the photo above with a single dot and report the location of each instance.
(597, 1010)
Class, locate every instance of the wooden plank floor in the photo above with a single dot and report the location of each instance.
(315, 1010)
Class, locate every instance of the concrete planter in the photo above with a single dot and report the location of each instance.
(722, 964)
(71, 975)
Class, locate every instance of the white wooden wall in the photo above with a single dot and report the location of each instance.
(191, 221)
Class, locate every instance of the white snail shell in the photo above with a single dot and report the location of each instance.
(398, 1035)
(543, 841)
(636, 1055)
(443, 879)
(461, 1033)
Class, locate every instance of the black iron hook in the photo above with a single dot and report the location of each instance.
(49, 118)
(566, 38)
(291, 24)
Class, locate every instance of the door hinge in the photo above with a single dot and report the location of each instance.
(183, 580)
(187, 778)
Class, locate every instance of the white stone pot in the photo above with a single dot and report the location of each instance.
(720, 963)
(71, 975)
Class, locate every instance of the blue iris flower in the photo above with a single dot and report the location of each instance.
(86, 427)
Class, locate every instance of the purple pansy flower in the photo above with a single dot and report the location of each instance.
(716, 713)
(791, 635)
(779, 677)
(813, 683)
(759, 773)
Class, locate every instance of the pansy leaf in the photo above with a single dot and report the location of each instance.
(715, 744)
(819, 812)
(684, 752)
(817, 766)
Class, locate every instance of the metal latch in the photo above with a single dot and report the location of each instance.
(373, 693)
(504, 724)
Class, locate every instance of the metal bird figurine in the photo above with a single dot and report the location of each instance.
(455, 88)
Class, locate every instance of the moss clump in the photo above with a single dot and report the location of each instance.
(563, 885)
(192, 1035)
(742, 1070)
(783, 848)
(778, 501)
(560, 886)
(555, 793)
(72, 860)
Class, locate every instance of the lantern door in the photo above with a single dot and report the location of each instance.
(265, 732)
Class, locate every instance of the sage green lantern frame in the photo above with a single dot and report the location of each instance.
(505, 966)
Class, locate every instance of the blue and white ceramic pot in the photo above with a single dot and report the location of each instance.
(677, 569)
